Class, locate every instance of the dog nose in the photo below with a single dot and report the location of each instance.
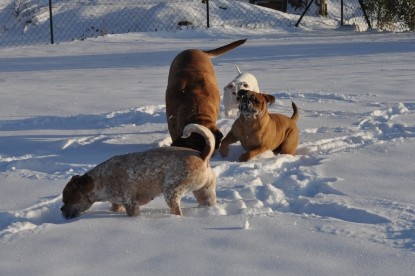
(66, 213)
(69, 212)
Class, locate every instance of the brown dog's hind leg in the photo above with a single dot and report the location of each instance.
(289, 146)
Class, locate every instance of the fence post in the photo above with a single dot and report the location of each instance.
(323, 8)
(305, 11)
(341, 12)
(51, 22)
(207, 14)
(362, 6)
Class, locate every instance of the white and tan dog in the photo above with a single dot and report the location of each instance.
(230, 98)
(193, 95)
(134, 179)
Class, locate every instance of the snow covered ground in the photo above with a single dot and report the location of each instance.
(345, 205)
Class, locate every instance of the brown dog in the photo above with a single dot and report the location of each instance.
(193, 96)
(134, 179)
(258, 130)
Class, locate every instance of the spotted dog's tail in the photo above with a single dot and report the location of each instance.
(221, 50)
(207, 135)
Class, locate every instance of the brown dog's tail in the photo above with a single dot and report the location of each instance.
(221, 50)
(207, 152)
(295, 115)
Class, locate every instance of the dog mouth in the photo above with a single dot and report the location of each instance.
(70, 212)
(247, 107)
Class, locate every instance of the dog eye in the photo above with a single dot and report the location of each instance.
(246, 85)
(231, 85)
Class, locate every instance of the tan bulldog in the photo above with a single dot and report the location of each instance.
(134, 179)
(193, 96)
(258, 130)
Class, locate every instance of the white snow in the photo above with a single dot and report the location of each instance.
(343, 206)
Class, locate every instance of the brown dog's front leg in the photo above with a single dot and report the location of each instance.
(251, 154)
(224, 146)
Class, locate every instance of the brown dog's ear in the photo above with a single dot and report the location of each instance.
(270, 99)
(84, 183)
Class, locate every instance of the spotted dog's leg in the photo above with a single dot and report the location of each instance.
(175, 207)
(117, 207)
(173, 192)
(132, 209)
(173, 201)
(206, 196)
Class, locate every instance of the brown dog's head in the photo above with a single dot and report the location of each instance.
(253, 104)
(75, 196)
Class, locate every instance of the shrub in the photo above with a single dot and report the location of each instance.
(394, 15)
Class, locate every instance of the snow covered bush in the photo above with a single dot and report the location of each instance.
(394, 15)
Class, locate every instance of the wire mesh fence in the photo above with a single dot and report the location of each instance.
(29, 22)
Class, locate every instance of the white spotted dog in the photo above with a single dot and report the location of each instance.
(134, 179)
(244, 81)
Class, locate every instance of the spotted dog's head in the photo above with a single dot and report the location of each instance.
(75, 196)
(253, 104)
(197, 142)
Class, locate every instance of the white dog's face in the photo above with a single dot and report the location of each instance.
(234, 87)
(230, 97)
(244, 81)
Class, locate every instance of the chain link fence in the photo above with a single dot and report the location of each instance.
(30, 22)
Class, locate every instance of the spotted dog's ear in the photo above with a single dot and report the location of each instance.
(75, 178)
(270, 99)
(84, 183)
(218, 138)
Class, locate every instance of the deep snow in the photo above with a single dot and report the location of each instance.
(344, 205)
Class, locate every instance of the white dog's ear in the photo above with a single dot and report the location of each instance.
(230, 85)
